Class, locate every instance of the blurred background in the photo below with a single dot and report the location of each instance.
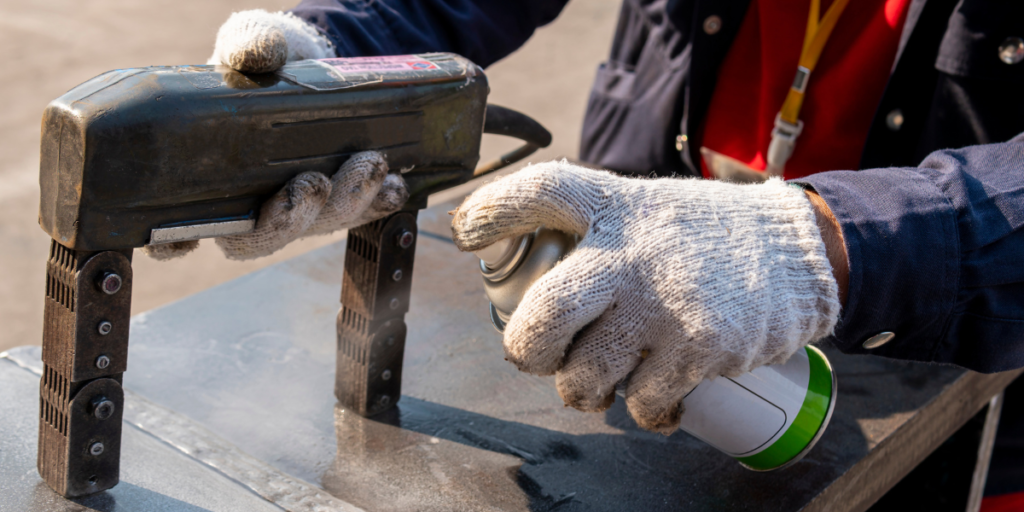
(53, 45)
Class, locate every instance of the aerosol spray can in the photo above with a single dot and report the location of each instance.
(766, 419)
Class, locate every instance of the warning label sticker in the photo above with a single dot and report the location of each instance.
(388, 63)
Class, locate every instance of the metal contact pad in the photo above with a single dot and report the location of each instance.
(198, 231)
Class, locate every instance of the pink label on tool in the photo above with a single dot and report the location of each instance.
(387, 63)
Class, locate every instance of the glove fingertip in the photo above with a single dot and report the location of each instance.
(582, 397)
(370, 164)
(557, 195)
(655, 399)
(236, 249)
(666, 422)
(170, 251)
(308, 186)
(392, 196)
(475, 226)
(249, 42)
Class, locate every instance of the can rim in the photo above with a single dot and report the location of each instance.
(496, 321)
(509, 265)
(824, 422)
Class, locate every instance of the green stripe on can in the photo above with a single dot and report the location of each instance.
(810, 418)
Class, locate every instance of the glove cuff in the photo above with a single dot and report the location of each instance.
(805, 306)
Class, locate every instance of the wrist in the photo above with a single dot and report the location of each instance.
(835, 246)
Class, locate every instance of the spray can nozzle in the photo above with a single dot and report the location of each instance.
(511, 265)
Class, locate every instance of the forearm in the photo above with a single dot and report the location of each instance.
(934, 256)
(481, 30)
(835, 247)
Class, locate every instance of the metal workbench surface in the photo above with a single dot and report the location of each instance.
(230, 405)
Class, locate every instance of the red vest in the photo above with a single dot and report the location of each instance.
(842, 95)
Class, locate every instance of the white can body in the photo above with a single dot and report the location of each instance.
(768, 418)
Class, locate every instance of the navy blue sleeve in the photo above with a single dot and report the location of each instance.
(936, 256)
(483, 31)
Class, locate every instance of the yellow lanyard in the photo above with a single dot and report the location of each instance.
(817, 34)
(787, 124)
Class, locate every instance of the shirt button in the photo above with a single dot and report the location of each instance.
(894, 120)
(878, 340)
(712, 24)
(1010, 52)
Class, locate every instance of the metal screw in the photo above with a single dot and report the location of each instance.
(104, 409)
(111, 283)
(386, 375)
(397, 275)
(95, 449)
(102, 362)
(394, 303)
(405, 239)
(390, 340)
(384, 400)
(105, 327)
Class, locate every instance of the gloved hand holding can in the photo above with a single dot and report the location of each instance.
(672, 282)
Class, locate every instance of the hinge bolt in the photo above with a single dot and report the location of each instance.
(111, 283)
(104, 409)
(405, 239)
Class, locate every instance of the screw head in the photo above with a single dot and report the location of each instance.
(397, 275)
(105, 327)
(386, 375)
(390, 340)
(102, 362)
(394, 303)
(95, 449)
(384, 400)
(104, 409)
(406, 239)
(111, 283)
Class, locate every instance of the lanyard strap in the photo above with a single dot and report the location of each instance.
(787, 123)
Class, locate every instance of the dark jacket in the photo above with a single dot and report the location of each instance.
(936, 247)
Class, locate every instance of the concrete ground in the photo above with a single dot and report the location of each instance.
(53, 45)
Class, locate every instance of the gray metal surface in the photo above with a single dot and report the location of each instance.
(193, 441)
(154, 476)
(253, 362)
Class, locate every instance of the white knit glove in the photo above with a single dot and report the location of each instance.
(258, 41)
(311, 204)
(674, 281)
